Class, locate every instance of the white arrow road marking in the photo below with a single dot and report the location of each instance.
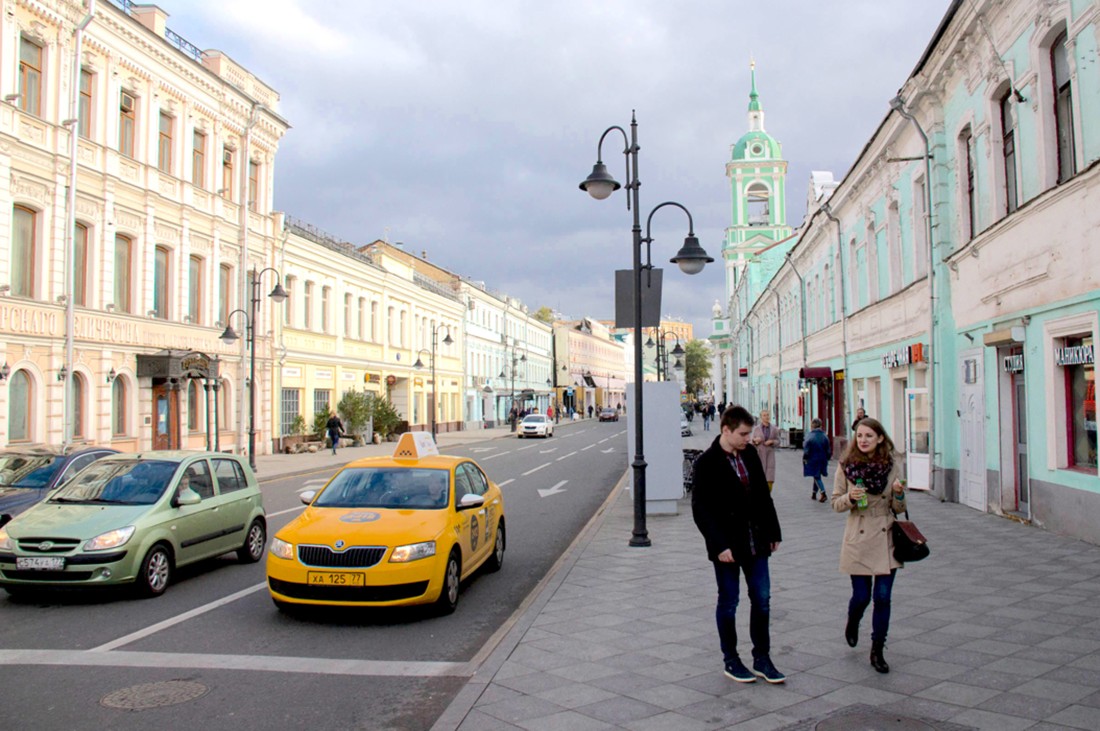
(506, 482)
(566, 455)
(529, 472)
(553, 490)
(607, 451)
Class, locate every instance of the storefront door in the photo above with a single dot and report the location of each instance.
(917, 460)
(972, 431)
(1019, 439)
(166, 417)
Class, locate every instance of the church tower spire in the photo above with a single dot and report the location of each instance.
(756, 112)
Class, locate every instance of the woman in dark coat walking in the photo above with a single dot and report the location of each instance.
(815, 458)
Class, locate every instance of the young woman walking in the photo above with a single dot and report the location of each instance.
(868, 489)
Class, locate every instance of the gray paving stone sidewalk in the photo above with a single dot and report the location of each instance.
(998, 629)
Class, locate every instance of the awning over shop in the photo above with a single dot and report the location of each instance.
(589, 381)
(812, 372)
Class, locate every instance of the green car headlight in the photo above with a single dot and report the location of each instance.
(413, 552)
(110, 539)
(5, 540)
(281, 548)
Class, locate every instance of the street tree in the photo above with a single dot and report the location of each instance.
(696, 366)
(544, 314)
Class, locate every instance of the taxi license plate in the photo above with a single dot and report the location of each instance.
(334, 578)
(40, 563)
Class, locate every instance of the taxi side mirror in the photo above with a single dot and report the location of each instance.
(307, 496)
(186, 497)
(470, 501)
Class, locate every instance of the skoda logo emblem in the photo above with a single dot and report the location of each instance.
(45, 545)
(339, 544)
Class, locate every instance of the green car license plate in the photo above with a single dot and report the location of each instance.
(40, 563)
(334, 578)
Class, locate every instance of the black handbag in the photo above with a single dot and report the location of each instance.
(909, 543)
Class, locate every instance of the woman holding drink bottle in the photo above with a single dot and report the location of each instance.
(868, 488)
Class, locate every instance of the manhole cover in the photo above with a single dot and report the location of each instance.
(154, 695)
(872, 721)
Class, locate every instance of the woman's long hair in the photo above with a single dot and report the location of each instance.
(884, 451)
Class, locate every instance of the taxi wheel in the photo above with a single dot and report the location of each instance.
(448, 595)
(155, 572)
(253, 548)
(496, 559)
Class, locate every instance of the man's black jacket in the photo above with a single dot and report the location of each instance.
(724, 509)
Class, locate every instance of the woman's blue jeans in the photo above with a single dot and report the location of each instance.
(758, 582)
(818, 484)
(862, 593)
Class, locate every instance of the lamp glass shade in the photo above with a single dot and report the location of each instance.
(447, 340)
(418, 364)
(599, 183)
(691, 258)
(229, 335)
(677, 351)
(278, 294)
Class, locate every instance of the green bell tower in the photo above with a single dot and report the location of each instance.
(758, 200)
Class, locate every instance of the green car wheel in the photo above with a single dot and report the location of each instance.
(155, 572)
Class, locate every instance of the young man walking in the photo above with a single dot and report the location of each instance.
(733, 508)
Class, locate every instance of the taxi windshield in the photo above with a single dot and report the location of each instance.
(129, 482)
(387, 487)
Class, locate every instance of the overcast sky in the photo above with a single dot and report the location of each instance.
(462, 128)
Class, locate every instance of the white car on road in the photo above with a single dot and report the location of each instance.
(535, 425)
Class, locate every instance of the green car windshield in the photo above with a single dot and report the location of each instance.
(131, 482)
(28, 470)
(387, 487)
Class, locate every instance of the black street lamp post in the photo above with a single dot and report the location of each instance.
(229, 336)
(691, 259)
(420, 364)
(521, 359)
(662, 352)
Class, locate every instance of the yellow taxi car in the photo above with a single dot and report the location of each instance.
(390, 531)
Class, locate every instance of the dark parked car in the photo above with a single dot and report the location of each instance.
(28, 474)
(609, 415)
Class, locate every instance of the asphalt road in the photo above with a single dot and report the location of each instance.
(217, 635)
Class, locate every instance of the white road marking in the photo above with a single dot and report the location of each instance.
(604, 440)
(494, 456)
(154, 628)
(556, 489)
(585, 449)
(269, 663)
(608, 451)
(548, 451)
(284, 512)
(506, 482)
(559, 459)
(479, 450)
(529, 472)
(529, 446)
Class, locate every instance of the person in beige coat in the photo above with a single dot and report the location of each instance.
(868, 470)
(765, 437)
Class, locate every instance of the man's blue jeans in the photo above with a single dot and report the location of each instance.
(758, 582)
(861, 597)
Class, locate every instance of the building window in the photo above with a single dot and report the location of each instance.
(966, 154)
(80, 265)
(194, 289)
(20, 403)
(893, 245)
(289, 411)
(1076, 358)
(347, 315)
(78, 392)
(225, 288)
(84, 110)
(193, 402)
(362, 318)
(1008, 151)
(225, 406)
(118, 407)
(757, 204)
(253, 185)
(326, 295)
(227, 173)
(123, 269)
(30, 77)
(374, 322)
(160, 283)
(307, 306)
(1063, 109)
(403, 328)
(24, 251)
(322, 397)
(198, 159)
(288, 310)
(127, 123)
(164, 143)
(920, 228)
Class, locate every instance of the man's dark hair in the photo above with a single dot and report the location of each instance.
(736, 416)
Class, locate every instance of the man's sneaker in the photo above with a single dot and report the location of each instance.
(736, 670)
(763, 668)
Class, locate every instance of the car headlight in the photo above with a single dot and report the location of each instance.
(281, 549)
(5, 540)
(413, 552)
(110, 539)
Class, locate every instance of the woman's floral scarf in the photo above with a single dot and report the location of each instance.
(873, 474)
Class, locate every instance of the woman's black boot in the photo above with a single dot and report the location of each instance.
(851, 631)
(878, 662)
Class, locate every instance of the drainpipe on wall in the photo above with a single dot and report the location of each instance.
(843, 315)
(779, 354)
(802, 307)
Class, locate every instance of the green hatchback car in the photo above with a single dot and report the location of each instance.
(133, 519)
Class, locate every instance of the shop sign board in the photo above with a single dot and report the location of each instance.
(1014, 363)
(904, 356)
(1073, 355)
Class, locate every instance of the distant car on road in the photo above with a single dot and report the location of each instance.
(28, 474)
(134, 519)
(609, 415)
(535, 425)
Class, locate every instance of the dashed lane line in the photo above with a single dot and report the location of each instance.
(531, 472)
(506, 482)
(564, 456)
(284, 512)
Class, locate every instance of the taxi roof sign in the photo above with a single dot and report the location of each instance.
(415, 445)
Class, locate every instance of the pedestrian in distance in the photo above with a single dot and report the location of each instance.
(860, 416)
(335, 429)
(589, 411)
(815, 458)
(733, 509)
(765, 437)
(867, 487)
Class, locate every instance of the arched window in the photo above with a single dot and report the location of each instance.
(288, 309)
(757, 205)
(893, 243)
(119, 404)
(123, 273)
(225, 406)
(20, 403)
(160, 283)
(24, 251)
(1063, 108)
(195, 289)
(80, 265)
(78, 391)
(193, 403)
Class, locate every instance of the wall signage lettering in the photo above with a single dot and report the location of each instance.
(1074, 355)
(904, 356)
(1014, 363)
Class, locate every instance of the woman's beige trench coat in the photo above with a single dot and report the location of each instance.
(868, 548)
